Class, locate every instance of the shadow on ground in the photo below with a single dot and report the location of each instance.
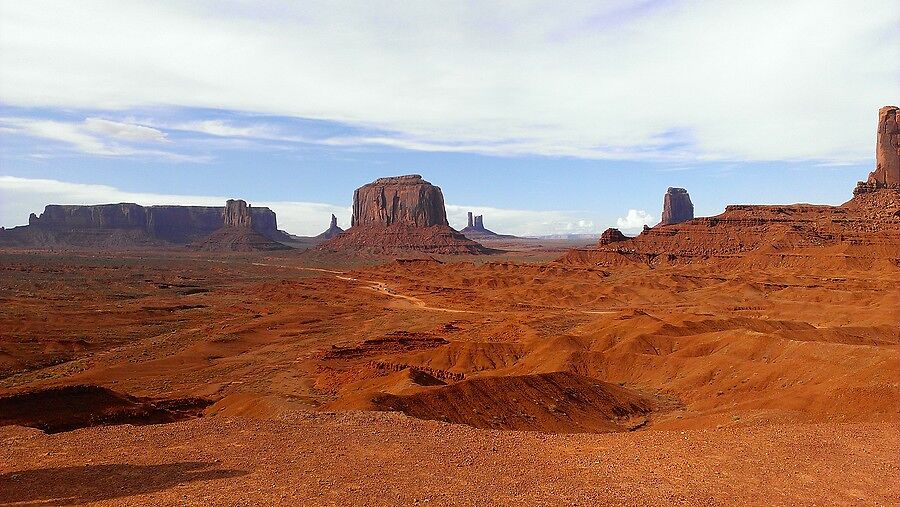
(90, 483)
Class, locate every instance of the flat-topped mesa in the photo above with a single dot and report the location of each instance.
(399, 200)
(237, 213)
(887, 153)
(129, 224)
(401, 213)
(677, 207)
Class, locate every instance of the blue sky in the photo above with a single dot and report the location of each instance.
(546, 119)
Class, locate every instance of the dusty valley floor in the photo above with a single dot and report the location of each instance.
(285, 378)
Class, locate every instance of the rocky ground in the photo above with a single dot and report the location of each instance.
(329, 380)
(358, 458)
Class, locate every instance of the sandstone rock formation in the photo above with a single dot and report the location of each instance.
(236, 233)
(399, 200)
(237, 213)
(863, 232)
(402, 213)
(332, 231)
(130, 225)
(887, 153)
(677, 207)
(612, 235)
(476, 230)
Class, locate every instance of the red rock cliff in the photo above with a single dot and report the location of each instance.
(399, 200)
(677, 207)
(887, 153)
(237, 213)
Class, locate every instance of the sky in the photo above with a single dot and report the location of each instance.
(546, 117)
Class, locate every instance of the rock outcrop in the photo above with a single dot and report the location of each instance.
(399, 200)
(237, 213)
(332, 231)
(402, 213)
(887, 153)
(130, 225)
(612, 235)
(862, 233)
(476, 230)
(236, 233)
(677, 207)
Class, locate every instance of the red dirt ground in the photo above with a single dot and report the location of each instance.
(502, 379)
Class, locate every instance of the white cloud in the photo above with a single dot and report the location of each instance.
(21, 196)
(97, 136)
(691, 80)
(635, 219)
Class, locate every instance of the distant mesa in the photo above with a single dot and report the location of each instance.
(237, 233)
(332, 231)
(887, 154)
(128, 225)
(401, 213)
(475, 229)
(677, 207)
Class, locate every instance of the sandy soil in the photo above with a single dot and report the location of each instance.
(341, 380)
(386, 459)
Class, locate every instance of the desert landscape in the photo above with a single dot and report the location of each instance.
(378, 253)
(159, 356)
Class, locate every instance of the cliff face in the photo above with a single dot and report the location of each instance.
(399, 200)
(677, 207)
(887, 153)
(237, 213)
(128, 224)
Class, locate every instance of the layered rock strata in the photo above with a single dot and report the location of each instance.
(128, 225)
